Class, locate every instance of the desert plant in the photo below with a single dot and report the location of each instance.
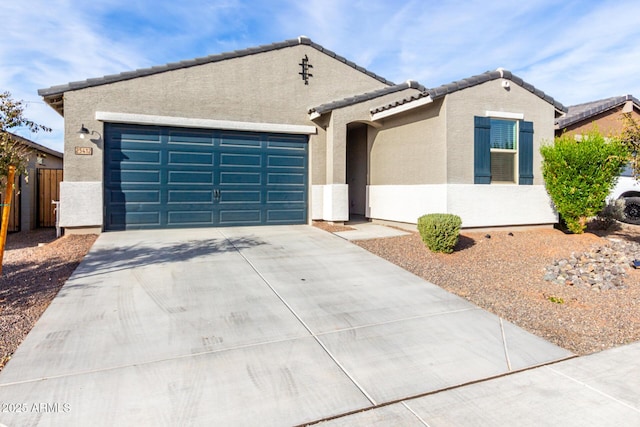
(556, 300)
(440, 232)
(579, 174)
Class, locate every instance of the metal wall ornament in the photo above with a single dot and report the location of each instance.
(305, 74)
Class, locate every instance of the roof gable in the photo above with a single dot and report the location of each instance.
(53, 94)
(352, 100)
(579, 112)
(444, 90)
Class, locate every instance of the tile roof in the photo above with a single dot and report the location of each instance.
(441, 91)
(54, 92)
(579, 112)
(345, 102)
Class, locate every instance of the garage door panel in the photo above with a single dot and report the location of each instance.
(135, 196)
(286, 216)
(189, 178)
(240, 178)
(286, 144)
(136, 177)
(129, 156)
(190, 196)
(286, 196)
(190, 217)
(129, 135)
(240, 197)
(233, 140)
(286, 178)
(186, 138)
(240, 160)
(240, 217)
(148, 219)
(286, 162)
(191, 158)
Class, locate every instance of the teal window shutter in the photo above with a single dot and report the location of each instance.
(482, 150)
(525, 153)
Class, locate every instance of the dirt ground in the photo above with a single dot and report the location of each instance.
(35, 266)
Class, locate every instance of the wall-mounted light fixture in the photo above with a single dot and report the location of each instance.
(83, 132)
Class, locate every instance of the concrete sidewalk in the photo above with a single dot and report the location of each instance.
(268, 326)
(369, 230)
(602, 389)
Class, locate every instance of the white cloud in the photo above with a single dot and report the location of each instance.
(51, 42)
(573, 50)
(576, 51)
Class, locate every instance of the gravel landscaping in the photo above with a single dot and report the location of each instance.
(35, 267)
(590, 306)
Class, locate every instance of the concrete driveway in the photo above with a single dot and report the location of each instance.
(249, 326)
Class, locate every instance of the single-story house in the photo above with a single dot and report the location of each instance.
(291, 132)
(31, 206)
(606, 114)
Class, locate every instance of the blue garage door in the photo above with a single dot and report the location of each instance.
(158, 177)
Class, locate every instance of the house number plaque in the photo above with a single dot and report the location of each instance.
(84, 151)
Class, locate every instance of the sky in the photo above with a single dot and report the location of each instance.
(575, 51)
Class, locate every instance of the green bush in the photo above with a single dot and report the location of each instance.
(440, 231)
(579, 175)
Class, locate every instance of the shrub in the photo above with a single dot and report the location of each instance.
(440, 231)
(579, 175)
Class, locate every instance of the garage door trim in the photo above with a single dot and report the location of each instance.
(186, 122)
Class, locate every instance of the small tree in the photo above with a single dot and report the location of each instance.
(579, 174)
(12, 152)
(630, 137)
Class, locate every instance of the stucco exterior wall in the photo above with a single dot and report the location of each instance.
(410, 149)
(264, 88)
(477, 205)
(463, 105)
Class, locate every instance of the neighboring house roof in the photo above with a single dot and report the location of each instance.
(36, 146)
(53, 95)
(441, 91)
(580, 112)
(352, 100)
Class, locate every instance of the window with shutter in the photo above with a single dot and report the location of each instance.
(503, 151)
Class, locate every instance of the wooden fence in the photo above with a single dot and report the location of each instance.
(48, 190)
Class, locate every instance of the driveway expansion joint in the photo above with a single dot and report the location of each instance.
(302, 322)
(504, 344)
(403, 400)
(600, 392)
